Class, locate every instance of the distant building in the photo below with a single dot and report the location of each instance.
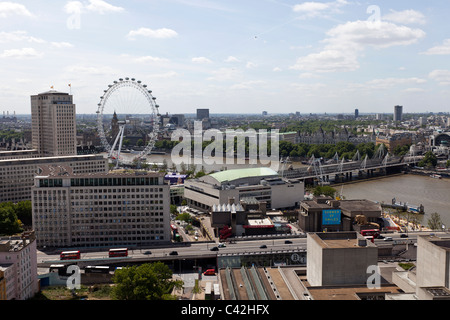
(202, 114)
(264, 113)
(53, 124)
(398, 113)
(356, 113)
(118, 208)
(396, 140)
(18, 267)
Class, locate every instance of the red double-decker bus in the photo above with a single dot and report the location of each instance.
(69, 255)
(370, 232)
(121, 252)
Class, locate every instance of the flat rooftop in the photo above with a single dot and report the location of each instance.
(339, 240)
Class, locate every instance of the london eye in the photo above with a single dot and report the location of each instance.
(128, 121)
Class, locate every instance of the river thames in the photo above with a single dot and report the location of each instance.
(433, 194)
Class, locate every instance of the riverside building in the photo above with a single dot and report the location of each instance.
(118, 208)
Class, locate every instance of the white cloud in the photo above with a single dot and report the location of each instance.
(87, 70)
(96, 6)
(10, 8)
(414, 90)
(251, 65)
(18, 36)
(328, 60)
(23, 53)
(61, 44)
(145, 59)
(315, 9)
(169, 74)
(232, 59)
(102, 7)
(440, 76)
(443, 49)
(73, 7)
(346, 42)
(391, 82)
(388, 83)
(225, 74)
(405, 17)
(247, 84)
(162, 33)
(201, 60)
(276, 69)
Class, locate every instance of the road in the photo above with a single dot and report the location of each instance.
(196, 249)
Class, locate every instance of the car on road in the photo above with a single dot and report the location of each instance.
(148, 252)
(214, 249)
(287, 241)
(387, 238)
(263, 246)
(222, 245)
(209, 272)
(173, 253)
(403, 235)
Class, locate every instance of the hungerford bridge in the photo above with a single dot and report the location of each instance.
(380, 163)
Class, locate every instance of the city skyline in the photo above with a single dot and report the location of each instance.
(230, 57)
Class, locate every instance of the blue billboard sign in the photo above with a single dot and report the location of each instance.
(331, 217)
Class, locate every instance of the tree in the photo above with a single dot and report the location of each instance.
(324, 190)
(429, 160)
(144, 282)
(435, 222)
(173, 209)
(9, 223)
(24, 212)
(184, 217)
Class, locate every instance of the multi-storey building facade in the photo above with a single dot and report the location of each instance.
(118, 208)
(17, 175)
(18, 267)
(53, 119)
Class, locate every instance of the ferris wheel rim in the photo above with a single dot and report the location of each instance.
(154, 111)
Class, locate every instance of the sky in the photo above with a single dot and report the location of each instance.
(233, 56)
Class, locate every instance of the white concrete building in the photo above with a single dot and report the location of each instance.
(18, 263)
(118, 208)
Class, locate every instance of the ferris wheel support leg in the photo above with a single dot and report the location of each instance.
(115, 142)
(122, 129)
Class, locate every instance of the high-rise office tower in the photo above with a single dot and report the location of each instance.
(398, 111)
(356, 113)
(53, 124)
(202, 114)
